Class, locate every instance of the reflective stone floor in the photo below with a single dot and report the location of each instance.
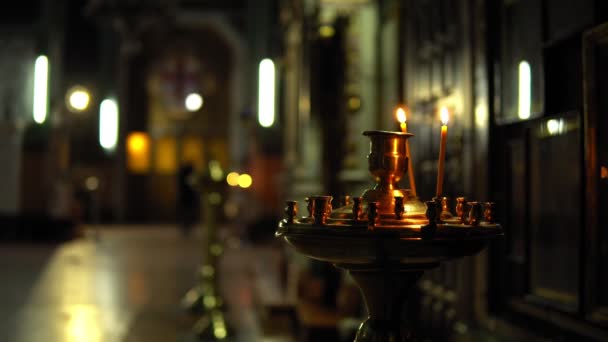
(122, 283)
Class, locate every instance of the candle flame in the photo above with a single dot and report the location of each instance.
(400, 113)
(445, 115)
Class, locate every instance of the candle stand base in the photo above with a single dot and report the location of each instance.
(385, 265)
(385, 290)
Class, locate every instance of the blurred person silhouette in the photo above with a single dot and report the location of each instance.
(187, 204)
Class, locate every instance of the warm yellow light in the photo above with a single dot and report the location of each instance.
(219, 333)
(193, 102)
(525, 90)
(219, 326)
(165, 156)
(209, 301)
(108, 124)
(215, 170)
(266, 89)
(400, 114)
(245, 181)
(604, 172)
(555, 127)
(354, 103)
(552, 126)
(41, 78)
(232, 179)
(91, 183)
(138, 152)
(327, 31)
(137, 142)
(78, 99)
(83, 324)
(444, 113)
(481, 115)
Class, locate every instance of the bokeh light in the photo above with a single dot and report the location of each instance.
(232, 179)
(78, 99)
(194, 102)
(245, 181)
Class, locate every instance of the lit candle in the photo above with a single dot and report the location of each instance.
(445, 115)
(401, 117)
(400, 113)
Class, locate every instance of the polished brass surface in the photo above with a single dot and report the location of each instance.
(387, 238)
(474, 213)
(387, 158)
(320, 207)
(393, 208)
(445, 209)
(460, 208)
(347, 247)
(357, 209)
(488, 213)
(309, 207)
(291, 210)
(388, 163)
(345, 200)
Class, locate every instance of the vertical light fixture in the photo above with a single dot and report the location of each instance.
(266, 90)
(41, 77)
(108, 124)
(525, 90)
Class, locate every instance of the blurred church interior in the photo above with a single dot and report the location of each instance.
(147, 149)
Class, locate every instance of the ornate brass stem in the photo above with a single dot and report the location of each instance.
(385, 291)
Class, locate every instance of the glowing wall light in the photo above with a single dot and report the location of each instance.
(266, 90)
(525, 90)
(138, 152)
(91, 183)
(83, 324)
(555, 126)
(327, 31)
(108, 124)
(245, 181)
(78, 99)
(193, 102)
(41, 78)
(232, 179)
(165, 155)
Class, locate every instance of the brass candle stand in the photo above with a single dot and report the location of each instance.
(387, 238)
(205, 298)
